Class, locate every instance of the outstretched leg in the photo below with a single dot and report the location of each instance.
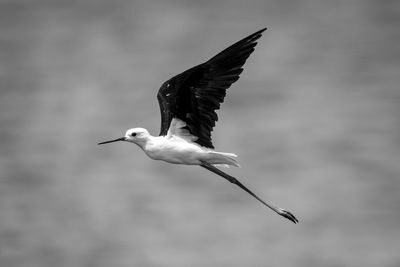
(233, 180)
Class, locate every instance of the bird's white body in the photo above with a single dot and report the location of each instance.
(179, 151)
(177, 147)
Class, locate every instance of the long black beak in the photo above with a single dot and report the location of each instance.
(115, 140)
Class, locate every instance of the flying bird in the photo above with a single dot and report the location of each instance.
(188, 103)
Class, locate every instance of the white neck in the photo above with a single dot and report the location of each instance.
(143, 142)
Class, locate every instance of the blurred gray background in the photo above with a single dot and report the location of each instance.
(314, 119)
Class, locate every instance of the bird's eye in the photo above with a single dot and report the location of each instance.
(133, 134)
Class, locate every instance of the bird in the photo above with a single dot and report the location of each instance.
(188, 104)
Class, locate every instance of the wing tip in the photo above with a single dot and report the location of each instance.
(253, 37)
(263, 30)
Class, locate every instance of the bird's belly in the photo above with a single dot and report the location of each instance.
(177, 153)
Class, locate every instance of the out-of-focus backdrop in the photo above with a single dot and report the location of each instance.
(314, 119)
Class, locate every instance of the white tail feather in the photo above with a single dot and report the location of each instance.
(222, 159)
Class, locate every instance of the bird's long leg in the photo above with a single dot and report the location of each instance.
(233, 180)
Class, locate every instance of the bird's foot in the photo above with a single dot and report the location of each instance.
(287, 215)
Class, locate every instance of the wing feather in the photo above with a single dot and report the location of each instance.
(194, 95)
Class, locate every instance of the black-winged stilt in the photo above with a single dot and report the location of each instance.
(188, 102)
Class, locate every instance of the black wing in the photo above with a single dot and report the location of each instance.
(194, 95)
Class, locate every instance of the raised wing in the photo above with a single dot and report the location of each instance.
(194, 95)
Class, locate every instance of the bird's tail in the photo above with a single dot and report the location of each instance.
(222, 159)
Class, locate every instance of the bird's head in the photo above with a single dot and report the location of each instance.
(137, 136)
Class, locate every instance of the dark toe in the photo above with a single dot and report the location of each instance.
(288, 215)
